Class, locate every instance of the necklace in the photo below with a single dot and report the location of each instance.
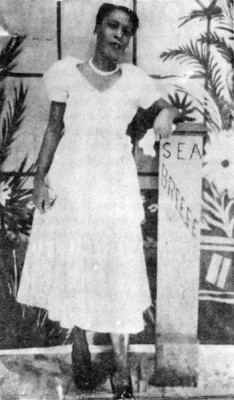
(99, 71)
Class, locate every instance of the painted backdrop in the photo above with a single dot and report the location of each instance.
(186, 46)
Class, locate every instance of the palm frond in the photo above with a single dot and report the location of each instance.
(221, 45)
(20, 177)
(216, 88)
(201, 14)
(227, 19)
(12, 120)
(8, 55)
(230, 30)
(216, 210)
(182, 104)
(212, 120)
(2, 99)
(16, 215)
(210, 114)
(192, 53)
(206, 13)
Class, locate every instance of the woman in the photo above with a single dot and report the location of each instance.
(85, 262)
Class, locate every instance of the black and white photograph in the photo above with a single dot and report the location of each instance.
(116, 199)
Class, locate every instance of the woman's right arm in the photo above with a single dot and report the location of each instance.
(49, 145)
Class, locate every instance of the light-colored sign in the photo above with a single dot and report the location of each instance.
(179, 235)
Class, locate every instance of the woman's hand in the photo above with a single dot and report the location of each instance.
(147, 144)
(163, 124)
(41, 198)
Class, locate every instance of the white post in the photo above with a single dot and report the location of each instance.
(178, 258)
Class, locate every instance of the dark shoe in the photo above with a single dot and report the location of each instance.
(126, 393)
(122, 388)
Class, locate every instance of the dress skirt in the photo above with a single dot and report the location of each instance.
(85, 262)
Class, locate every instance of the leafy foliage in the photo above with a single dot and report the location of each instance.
(210, 12)
(15, 218)
(226, 19)
(217, 210)
(193, 15)
(216, 88)
(198, 54)
(8, 55)
(184, 105)
(194, 53)
(208, 112)
(12, 121)
(28, 326)
(220, 43)
(16, 211)
(2, 99)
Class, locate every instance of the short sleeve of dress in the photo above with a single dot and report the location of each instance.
(56, 79)
(145, 87)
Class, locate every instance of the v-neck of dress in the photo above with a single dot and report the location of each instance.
(101, 92)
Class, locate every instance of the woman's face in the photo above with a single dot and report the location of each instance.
(113, 35)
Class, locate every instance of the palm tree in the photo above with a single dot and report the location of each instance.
(208, 13)
(198, 54)
(226, 20)
(14, 219)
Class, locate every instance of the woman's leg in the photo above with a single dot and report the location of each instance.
(121, 379)
(120, 343)
(81, 359)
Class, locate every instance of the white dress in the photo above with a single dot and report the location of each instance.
(85, 262)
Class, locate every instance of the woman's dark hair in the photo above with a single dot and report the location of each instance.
(107, 8)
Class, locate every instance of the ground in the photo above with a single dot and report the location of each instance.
(46, 374)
